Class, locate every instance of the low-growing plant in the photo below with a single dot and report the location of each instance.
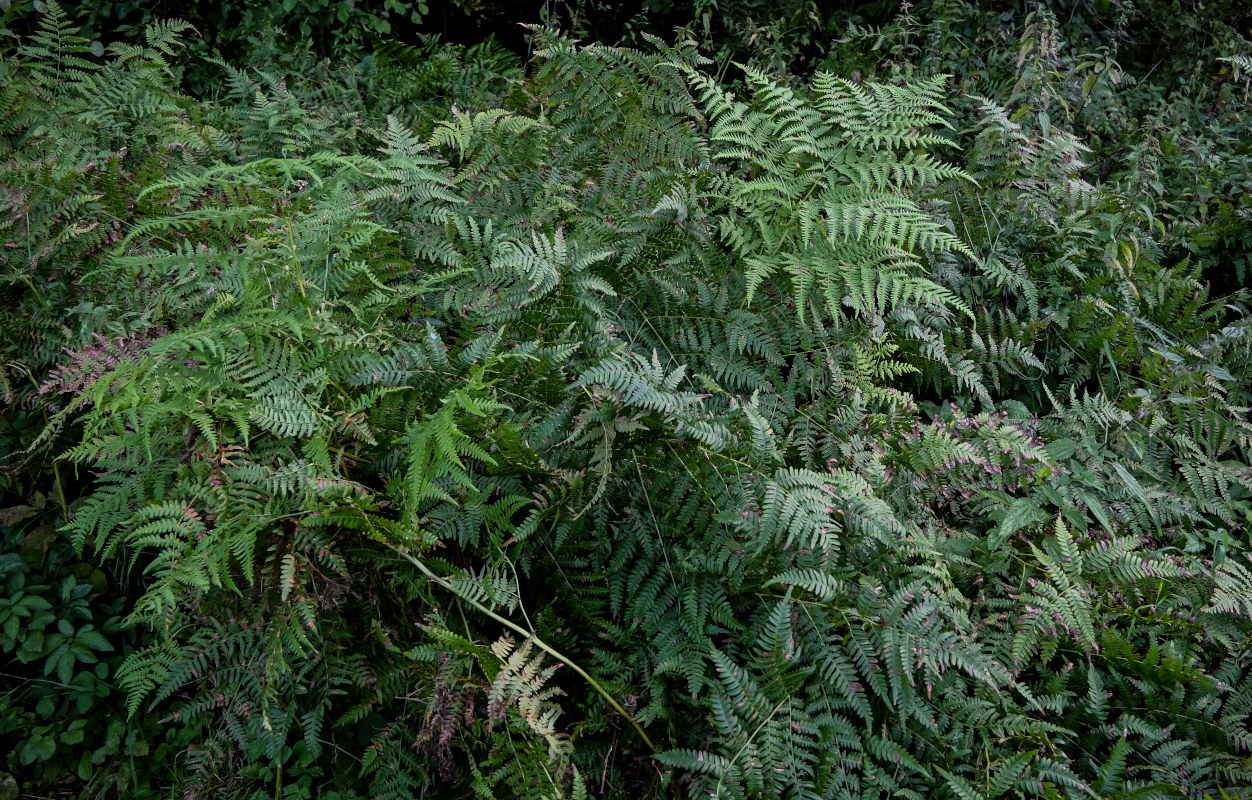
(616, 430)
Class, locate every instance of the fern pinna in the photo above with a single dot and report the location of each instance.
(637, 437)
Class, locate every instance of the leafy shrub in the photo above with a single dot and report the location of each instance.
(613, 432)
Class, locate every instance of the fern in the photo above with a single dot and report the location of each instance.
(826, 466)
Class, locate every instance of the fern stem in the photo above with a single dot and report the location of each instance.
(60, 487)
(295, 256)
(538, 642)
(717, 791)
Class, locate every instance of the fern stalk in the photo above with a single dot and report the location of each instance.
(542, 645)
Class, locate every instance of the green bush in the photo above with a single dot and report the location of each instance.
(613, 428)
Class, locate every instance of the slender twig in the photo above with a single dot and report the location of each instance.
(532, 637)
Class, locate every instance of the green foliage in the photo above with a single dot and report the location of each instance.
(62, 643)
(329, 25)
(605, 430)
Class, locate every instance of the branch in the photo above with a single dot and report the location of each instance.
(528, 634)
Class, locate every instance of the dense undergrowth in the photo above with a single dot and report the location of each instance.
(870, 422)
